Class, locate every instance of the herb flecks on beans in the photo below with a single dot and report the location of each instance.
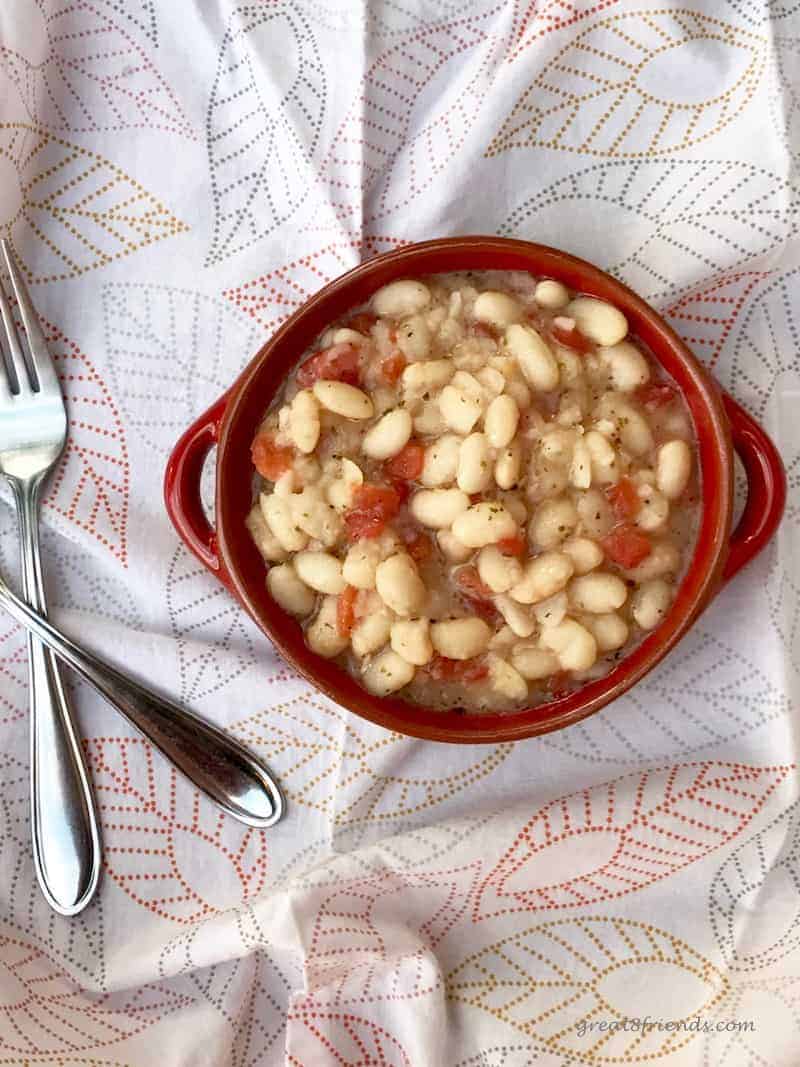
(477, 492)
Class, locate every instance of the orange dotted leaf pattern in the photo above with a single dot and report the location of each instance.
(329, 761)
(319, 1038)
(547, 979)
(161, 838)
(535, 18)
(705, 316)
(273, 297)
(77, 69)
(67, 210)
(603, 94)
(616, 838)
(43, 1012)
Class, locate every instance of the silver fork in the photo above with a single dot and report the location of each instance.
(33, 430)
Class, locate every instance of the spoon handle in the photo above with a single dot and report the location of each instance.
(219, 766)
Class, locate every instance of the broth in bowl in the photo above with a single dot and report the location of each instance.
(476, 491)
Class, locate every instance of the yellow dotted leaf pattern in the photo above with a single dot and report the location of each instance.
(548, 980)
(604, 94)
(67, 210)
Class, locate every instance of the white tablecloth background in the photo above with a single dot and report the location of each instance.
(176, 178)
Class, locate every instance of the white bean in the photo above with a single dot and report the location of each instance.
(628, 367)
(339, 492)
(387, 673)
(534, 663)
(371, 633)
(455, 550)
(550, 612)
(673, 467)
(499, 309)
(411, 639)
(597, 320)
(505, 679)
(427, 376)
(551, 295)
(388, 436)
(459, 411)
(534, 357)
(518, 620)
(400, 298)
(558, 444)
(428, 419)
(664, 559)
(474, 467)
(266, 542)
(289, 591)
(575, 647)
(584, 553)
(570, 364)
(594, 511)
(654, 512)
(610, 630)
(304, 425)
(603, 457)
(514, 502)
(414, 338)
(360, 563)
(598, 592)
(278, 514)
(503, 639)
(501, 420)
(635, 433)
(315, 516)
(484, 524)
(344, 336)
(441, 461)
(320, 571)
(343, 399)
(492, 380)
(521, 393)
(399, 585)
(323, 636)
(542, 577)
(438, 508)
(508, 465)
(580, 469)
(497, 571)
(650, 603)
(552, 522)
(460, 638)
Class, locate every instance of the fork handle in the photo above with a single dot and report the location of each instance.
(217, 764)
(66, 844)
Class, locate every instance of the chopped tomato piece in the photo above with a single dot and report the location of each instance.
(626, 546)
(655, 394)
(339, 363)
(392, 367)
(475, 498)
(485, 329)
(624, 499)
(417, 545)
(403, 489)
(362, 322)
(346, 610)
(511, 546)
(373, 506)
(442, 669)
(269, 459)
(470, 581)
(570, 336)
(408, 462)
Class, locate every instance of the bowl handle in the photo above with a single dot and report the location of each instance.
(766, 488)
(182, 488)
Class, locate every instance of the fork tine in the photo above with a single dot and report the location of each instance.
(37, 344)
(13, 350)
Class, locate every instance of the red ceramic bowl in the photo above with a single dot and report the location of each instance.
(722, 427)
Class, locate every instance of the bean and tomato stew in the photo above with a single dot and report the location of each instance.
(477, 491)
